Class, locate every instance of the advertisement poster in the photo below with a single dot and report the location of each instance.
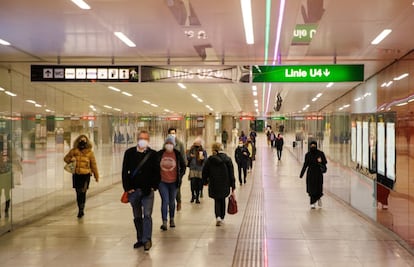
(372, 147)
(390, 156)
(381, 148)
(365, 145)
(359, 143)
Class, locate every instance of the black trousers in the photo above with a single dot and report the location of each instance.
(220, 207)
(196, 187)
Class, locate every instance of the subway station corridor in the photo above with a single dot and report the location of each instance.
(274, 227)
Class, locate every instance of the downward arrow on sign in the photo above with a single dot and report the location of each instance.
(326, 72)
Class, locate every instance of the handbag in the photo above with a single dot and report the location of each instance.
(70, 167)
(323, 167)
(232, 207)
(124, 197)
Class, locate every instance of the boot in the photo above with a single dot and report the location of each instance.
(6, 209)
(164, 226)
(81, 208)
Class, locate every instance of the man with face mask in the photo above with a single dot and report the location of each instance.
(172, 169)
(314, 175)
(140, 178)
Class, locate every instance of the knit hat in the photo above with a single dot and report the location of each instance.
(170, 139)
(313, 143)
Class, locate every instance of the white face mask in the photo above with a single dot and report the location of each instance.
(142, 143)
(169, 147)
(240, 145)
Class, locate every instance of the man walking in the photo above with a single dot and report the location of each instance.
(140, 178)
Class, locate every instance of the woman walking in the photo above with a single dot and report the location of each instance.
(314, 176)
(196, 158)
(86, 166)
(218, 174)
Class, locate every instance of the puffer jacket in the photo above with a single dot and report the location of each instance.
(85, 161)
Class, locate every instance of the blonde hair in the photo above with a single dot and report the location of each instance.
(216, 147)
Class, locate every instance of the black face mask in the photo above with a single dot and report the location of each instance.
(313, 148)
(82, 145)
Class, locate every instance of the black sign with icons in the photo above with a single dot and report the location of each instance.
(80, 73)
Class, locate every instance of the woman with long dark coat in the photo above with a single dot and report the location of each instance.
(314, 176)
(218, 174)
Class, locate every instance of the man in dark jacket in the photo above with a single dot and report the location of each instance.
(140, 178)
(314, 176)
(241, 155)
(218, 174)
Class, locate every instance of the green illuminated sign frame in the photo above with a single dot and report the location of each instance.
(308, 73)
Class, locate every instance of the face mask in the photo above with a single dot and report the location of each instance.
(142, 143)
(240, 145)
(313, 148)
(169, 147)
(82, 144)
(173, 135)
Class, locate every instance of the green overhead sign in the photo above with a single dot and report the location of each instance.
(308, 73)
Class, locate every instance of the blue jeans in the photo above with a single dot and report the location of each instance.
(142, 206)
(168, 192)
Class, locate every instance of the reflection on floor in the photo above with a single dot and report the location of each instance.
(274, 227)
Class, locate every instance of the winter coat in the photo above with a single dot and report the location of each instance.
(147, 177)
(196, 164)
(218, 174)
(314, 176)
(85, 161)
(241, 155)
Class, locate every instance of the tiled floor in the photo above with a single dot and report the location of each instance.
(274, 227)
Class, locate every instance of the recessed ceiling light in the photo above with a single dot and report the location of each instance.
(10, 93)
(126, 93)
(114, 88)
(3, 42)
(381, 36)
(81, 4)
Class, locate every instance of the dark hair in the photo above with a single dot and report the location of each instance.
(172, 129)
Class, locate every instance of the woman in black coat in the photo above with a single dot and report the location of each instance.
(314, 175)
(218, 174)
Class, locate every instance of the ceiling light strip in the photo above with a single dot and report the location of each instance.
(246, 7)
(279, 29)
(124, 39)
(267, 30)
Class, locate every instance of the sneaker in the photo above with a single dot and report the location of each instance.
(198, 201)
(172, 223)
(312, 206)
(218, 221)
(138, 244)
(178, 206)
(147, 245)
(320, 203)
